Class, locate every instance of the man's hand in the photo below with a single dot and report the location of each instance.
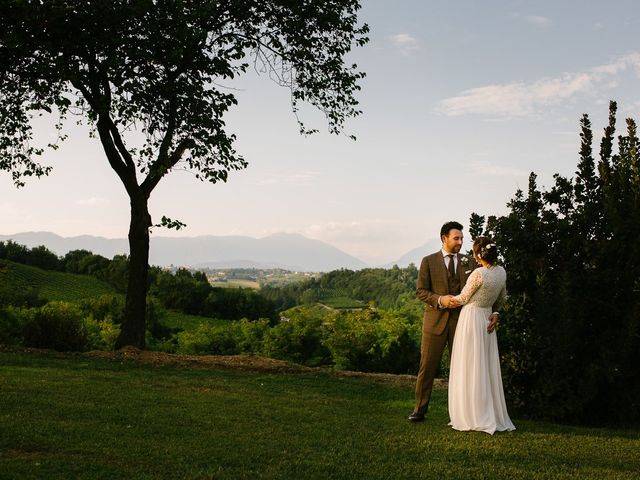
(493, 322)
(453, 303)
(445, 301)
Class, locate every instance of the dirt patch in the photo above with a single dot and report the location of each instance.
(249, 363)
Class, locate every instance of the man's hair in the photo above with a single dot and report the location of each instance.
(447, 227)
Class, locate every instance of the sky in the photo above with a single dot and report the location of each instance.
(462, 100)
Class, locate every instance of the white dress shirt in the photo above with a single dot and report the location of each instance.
(446, 254)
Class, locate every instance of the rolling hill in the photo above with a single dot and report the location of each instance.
(48, 284)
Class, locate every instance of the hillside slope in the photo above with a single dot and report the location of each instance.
(48, 284)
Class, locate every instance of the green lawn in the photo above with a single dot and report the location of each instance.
(51, 285)
(81, 417)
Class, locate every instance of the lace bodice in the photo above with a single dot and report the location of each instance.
(485, 287)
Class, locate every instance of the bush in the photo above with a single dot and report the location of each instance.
(209, 340)
(21, 297)
(374, 341)
(298, 339)
(105, 306)
(12, 324)
(57, 325)
(101, 334)
(109, 309)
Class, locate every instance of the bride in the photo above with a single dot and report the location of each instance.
(476, 395)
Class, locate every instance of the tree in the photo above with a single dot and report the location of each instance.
(145, 77)
(570, 332)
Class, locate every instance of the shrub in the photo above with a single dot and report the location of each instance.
(109, 308)
(250, 335)
(12, 324)
(57, 325)
(298, 338)
(105, 306)
(101, 334)
(21, 297)
(374, 341)
(207, 339)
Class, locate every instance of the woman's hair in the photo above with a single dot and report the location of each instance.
(485, 249)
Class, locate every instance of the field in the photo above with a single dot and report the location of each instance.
(338, 299)
(49, 284)
(98, 417)
(236, 283)
(190, 322)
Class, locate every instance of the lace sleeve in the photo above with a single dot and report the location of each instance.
(502, 297)
(473, 283)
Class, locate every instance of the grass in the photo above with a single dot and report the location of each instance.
(342, 303)
(51, 285)
(338, 299)
(237, 283)
(81, 417)
(191, 322)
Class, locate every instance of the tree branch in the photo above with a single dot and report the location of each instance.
(162, 165)
(126, 174)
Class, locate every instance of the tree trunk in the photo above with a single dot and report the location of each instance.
(133, 328)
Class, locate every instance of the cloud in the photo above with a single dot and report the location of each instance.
(537, 20)
(405, 43)
(375, 241)
(92, 202)
(381, 230)
(521, 98)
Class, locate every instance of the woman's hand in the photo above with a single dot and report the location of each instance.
(454, 303)
(447, 301)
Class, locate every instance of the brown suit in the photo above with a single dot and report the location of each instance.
(438, 324)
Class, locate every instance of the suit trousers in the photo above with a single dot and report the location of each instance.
(431, 349)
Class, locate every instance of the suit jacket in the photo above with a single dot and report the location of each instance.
(433, 283)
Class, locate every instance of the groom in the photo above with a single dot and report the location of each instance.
(442, 273)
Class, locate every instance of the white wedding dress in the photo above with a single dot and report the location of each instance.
(476, 395)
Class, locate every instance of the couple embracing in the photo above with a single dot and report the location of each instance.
(461, 297)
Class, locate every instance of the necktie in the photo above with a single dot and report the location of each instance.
(452, 267)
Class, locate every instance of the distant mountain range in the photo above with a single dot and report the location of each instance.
(281, 250)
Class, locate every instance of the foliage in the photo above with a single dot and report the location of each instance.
(13, 321)
(571, 330)
(91, 323)
(40, 256)
(16, 288)
(102, 334)
(57, 325)
(347, 288)
(24, 285)
(131, 67)
(104, 307)
(183, 321)
(299, 338)
(237, 337)
(373, 341)
(364, 340)
(192, 294)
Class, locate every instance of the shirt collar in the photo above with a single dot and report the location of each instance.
(445, 253)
